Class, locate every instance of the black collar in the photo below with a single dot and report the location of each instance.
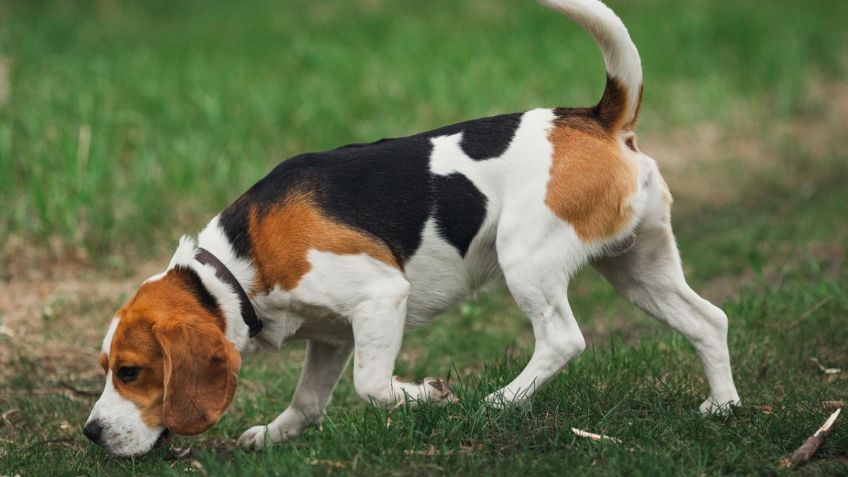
(248, 314)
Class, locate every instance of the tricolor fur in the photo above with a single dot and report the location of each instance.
(348, 247)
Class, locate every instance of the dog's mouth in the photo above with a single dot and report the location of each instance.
(163, 439)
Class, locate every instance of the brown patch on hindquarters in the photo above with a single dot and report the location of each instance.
(591, 181)
(282, 236)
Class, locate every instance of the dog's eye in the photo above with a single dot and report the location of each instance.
(631, 143)
(127, 373)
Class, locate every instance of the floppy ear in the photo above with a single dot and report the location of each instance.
(201, 368)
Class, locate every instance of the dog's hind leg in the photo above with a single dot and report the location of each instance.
(650, 276)
(538, 281)
(322, 368)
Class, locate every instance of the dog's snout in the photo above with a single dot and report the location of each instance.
(93, 430)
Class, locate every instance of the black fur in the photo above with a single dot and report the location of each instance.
(489, 137)
(197, 288)
(384, 188)
(460, 210)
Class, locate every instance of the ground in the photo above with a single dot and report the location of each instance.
(124, 124)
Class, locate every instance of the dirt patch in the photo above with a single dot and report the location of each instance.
(57, 322)
(830, 257)
(713, 164)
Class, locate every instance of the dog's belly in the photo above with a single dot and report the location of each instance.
(440, 277)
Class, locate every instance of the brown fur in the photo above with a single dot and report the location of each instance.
(188, 368)
(610, 110)
(631, 125)
(591, 181)
(201, 368)
(104, 362)
(282, 236)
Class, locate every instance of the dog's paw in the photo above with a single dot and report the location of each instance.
(254, 438)
(716, 407)
(507, 397)
(496, 401)
(258, 437)
(438, 392)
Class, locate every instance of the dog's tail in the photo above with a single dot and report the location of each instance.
(619, 106)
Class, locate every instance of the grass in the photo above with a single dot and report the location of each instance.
(128, 123)
(644, 392)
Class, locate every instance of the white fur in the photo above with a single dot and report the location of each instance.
(124, 433)
(321, 371)
(185, 252)
(110, 332)
(620, 54)
(156, 277)
(437, 275)
(213, 239)
(340, 295)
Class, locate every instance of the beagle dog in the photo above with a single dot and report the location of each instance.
(349, 247)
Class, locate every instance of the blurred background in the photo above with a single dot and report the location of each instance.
(124, 124)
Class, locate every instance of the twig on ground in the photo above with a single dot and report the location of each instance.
(333, 464)
(5, 418)
(75, 390)
(811, 445)
(593, 436)
(69, 441)
(814, 309)
(392, 410)
(797, 322)
(179, 453)
(432, 451)
(824, 369)
(834, 405)
(5, 330)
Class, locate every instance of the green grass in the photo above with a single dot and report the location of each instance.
(128, 122)
(644, 392)
(183, 105)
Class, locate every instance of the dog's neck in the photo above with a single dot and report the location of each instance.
(213, 239)
(278, 325)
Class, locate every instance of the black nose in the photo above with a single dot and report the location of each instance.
(92, 431)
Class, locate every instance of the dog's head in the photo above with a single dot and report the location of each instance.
(169, 367)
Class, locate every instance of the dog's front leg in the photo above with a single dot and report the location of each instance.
(321, 371)
(378, 332)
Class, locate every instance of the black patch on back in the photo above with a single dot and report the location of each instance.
(489, 137)
(460, 210)
(383, 188)
(197, 288)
